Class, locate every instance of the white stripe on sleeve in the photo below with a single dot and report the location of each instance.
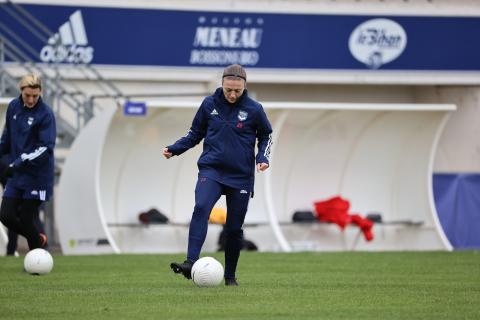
(267, 149)
(35, 154)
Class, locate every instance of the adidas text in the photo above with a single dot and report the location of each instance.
(69, 44)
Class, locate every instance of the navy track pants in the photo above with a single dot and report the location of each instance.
(207, 193)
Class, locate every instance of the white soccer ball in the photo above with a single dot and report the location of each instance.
(207, 272)
(38, 261)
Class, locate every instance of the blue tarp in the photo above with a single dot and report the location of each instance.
(457, 198)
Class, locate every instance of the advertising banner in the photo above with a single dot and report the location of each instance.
(151, 37)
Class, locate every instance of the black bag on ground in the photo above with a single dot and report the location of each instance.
(247, 245)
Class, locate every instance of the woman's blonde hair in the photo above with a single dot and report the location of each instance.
(30, 81)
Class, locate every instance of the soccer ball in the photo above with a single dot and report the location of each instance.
(38, 261)
(207, 272)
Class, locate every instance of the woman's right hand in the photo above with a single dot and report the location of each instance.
(167, 154)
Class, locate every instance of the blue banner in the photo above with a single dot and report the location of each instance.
(131, 108)
(152, 37)
(457, 198)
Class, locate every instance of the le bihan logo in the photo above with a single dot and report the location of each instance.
(69, 44)
(377, 41)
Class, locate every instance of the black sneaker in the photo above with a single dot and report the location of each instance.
(184, 268)
(231, 282)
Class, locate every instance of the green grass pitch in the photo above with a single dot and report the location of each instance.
(343, 285)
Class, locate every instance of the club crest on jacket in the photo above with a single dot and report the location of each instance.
(242, 115)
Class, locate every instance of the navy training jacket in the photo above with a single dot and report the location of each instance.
(230, 132)
(29, 139)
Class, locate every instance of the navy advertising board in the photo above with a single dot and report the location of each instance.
(127, 36)
(132, 108)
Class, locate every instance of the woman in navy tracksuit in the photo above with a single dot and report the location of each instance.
(230, 122)
(29, 139)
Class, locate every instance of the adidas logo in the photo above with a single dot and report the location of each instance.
(243, 191)
(71, 32)
(214, 112)
(69, 44)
